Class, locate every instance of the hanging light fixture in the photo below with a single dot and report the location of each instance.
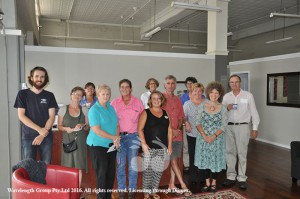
(192, 6)
(128, 44)
(283, 39)
(152, 32)
(279, 14)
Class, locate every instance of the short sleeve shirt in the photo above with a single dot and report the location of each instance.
(175, 110)
(128, 115)
(36, 109)
(107, 119)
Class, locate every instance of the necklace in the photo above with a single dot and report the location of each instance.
(212, 107)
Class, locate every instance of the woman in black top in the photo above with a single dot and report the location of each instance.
(155, 133)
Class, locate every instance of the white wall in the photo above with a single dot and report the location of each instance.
(279, 125)
(69, 67)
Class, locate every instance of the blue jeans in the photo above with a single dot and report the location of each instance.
(45, 149)
(130, 145)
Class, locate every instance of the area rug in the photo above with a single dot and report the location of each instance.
(223, 194)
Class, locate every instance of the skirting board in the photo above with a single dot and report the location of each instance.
(274, 143)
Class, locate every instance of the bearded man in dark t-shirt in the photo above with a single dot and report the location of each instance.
(36, 111)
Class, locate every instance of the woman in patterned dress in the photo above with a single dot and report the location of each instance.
(210, 145)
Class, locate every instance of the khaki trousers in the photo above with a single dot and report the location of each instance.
(236, 142)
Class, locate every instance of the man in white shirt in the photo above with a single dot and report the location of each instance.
(241, 112)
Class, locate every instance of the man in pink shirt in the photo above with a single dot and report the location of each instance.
(128, 109)
(175, 111)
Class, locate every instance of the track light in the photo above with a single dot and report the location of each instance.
(185, 47)
(195, 6)
(277, 14)
(279, 40)
(128, 44)
(152, 32)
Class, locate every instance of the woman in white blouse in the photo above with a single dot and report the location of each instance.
(151, 85)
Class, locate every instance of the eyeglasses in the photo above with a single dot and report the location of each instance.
(77, 94)
(235, 82)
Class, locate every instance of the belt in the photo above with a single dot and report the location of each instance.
(123, 133)
(231, 123)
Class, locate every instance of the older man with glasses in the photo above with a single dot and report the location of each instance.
(242, 111)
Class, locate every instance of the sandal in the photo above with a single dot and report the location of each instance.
(213, 188)
(187, 193)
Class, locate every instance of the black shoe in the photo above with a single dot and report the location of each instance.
(205, 188)
(213, 188)
(228, 182)
(186, 169)
(243, 185)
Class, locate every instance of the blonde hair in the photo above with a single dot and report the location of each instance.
(101, 87)
(197, 85)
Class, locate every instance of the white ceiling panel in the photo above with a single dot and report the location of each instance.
(242, 13)
(55, 9)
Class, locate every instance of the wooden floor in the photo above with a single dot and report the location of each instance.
(268, 174)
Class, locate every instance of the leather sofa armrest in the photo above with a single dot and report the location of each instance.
(26, 189)
(62, 177)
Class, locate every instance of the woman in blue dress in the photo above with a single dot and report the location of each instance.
(210, 145)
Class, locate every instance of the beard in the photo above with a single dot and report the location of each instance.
(39, 86)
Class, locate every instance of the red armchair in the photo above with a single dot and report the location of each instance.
(62, 182)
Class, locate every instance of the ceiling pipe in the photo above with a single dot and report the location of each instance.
(118, 40)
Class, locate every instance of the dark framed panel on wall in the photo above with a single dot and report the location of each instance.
(283, 89)
(181, 89)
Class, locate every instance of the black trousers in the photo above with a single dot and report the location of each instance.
(196, 175)
(104, 166)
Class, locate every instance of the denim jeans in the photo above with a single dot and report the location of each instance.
(130, 145)
(45, 149)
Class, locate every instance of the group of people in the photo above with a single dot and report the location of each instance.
(217, 126)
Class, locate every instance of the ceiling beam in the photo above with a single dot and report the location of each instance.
(263, 28)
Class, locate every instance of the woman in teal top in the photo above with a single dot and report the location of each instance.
(104, 132)
(210, 145)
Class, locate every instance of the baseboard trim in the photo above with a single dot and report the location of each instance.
(274, 143)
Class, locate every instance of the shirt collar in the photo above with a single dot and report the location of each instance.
(241, 90)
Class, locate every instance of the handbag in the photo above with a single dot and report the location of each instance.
(71, 146)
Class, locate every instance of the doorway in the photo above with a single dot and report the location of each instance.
(245, 77)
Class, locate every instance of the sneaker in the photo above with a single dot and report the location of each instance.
(243, 185)
(228, 182)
